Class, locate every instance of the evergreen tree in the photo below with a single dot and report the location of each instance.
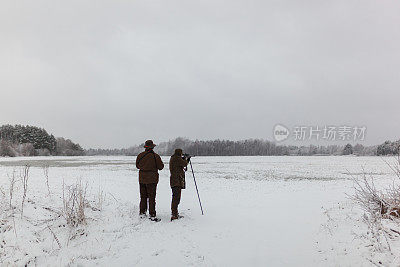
(348, 150)
(32, 137)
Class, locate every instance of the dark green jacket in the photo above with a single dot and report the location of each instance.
(177, 167)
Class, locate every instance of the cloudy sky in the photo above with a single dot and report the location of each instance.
(114, 73)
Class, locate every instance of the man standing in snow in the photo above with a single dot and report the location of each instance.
(148, 163)
(177, 167)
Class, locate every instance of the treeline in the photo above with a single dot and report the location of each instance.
(388, 148)
(258, 147)
(250, 147)
(20, 140)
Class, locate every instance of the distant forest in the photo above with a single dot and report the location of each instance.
(20, 140)
(252, 147)
(28, 140)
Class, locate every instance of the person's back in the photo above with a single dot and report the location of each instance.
(149, 163)
(176, 168)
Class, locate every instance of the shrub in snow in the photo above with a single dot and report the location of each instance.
(75, 202)
(378, 202)
(382, 208)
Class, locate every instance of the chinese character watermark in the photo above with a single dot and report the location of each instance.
(317, 133)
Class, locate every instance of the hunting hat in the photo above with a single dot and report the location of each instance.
(149, 144)
(178, 151)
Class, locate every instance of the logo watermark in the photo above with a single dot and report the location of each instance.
(320, 133)
(281, 133)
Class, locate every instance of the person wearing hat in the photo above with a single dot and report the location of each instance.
(177, 167)
(149, 163)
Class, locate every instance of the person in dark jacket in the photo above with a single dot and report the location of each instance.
(148, 163)
(177, 168)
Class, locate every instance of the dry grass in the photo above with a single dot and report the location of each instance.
(11, 188)
(60, 219)
(24, 179)
(74, 204)
(101, 198)
(376, 202)
(381, 206)
(46, 176)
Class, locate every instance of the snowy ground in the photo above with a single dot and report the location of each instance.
(259, 211)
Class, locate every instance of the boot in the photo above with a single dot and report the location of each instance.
(154, 219)
(176, 217)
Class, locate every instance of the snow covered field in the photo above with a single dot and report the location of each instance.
(259, 211)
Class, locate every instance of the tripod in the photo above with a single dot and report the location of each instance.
(198, 196)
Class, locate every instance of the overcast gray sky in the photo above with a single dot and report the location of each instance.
(114, 73)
